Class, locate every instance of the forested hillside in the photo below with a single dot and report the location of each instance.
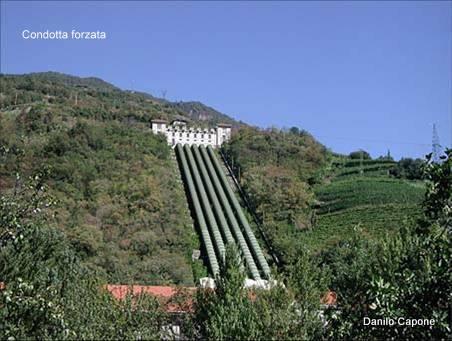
(119, 200)
(276, 170)
(116, 186)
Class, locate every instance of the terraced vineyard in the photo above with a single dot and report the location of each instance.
(374, 170)
(358, 191)
(372, 200)
(344, 168)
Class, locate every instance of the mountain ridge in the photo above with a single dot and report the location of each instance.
(191, 110)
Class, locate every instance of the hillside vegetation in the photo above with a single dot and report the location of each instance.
(95, 98)
(119, 201)
(276, 170)
(377, 205)
(128, 218)
(362, 194)
(89, 196)
(309, 196)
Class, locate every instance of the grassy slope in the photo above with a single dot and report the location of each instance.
(371, 200)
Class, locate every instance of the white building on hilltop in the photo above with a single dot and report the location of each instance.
(178, 132)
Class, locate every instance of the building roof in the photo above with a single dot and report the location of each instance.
(172, 299)
(224, 125)
(159, 121)
(330, 298)
(178, 299)
(181, 299)
(179, 120)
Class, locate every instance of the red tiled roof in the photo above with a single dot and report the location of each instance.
(330, 298)
(175, 299)
(167, 296)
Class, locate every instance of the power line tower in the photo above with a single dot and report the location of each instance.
(436, 147)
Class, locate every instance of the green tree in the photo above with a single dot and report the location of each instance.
(48, 293)
(227, 311)
(360, 154)
(233, 312)
(411, 169)
(404, 275)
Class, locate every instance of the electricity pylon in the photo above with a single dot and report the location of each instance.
(436, 147)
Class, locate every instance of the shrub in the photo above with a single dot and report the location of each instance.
(405, 275)
(360, 154)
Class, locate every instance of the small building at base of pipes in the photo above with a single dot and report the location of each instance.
(179, 132)
(176, 302)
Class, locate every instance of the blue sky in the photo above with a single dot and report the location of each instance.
(372, 75)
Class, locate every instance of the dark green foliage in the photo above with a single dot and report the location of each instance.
(48, 293)
(278, 194)
(408, 168)
(300, 153)
(275, 168)
(405, 275)
(114, 180)
(113, 190)
(227, 312)
(360, 155)
(308, 280)
(233, 312)
(401, 276)
(438, 198)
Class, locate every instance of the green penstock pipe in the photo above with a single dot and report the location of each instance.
(205, 204)
(221, 219)
(212, 259)
(213, 197)
(254, 245)
(233, 223)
